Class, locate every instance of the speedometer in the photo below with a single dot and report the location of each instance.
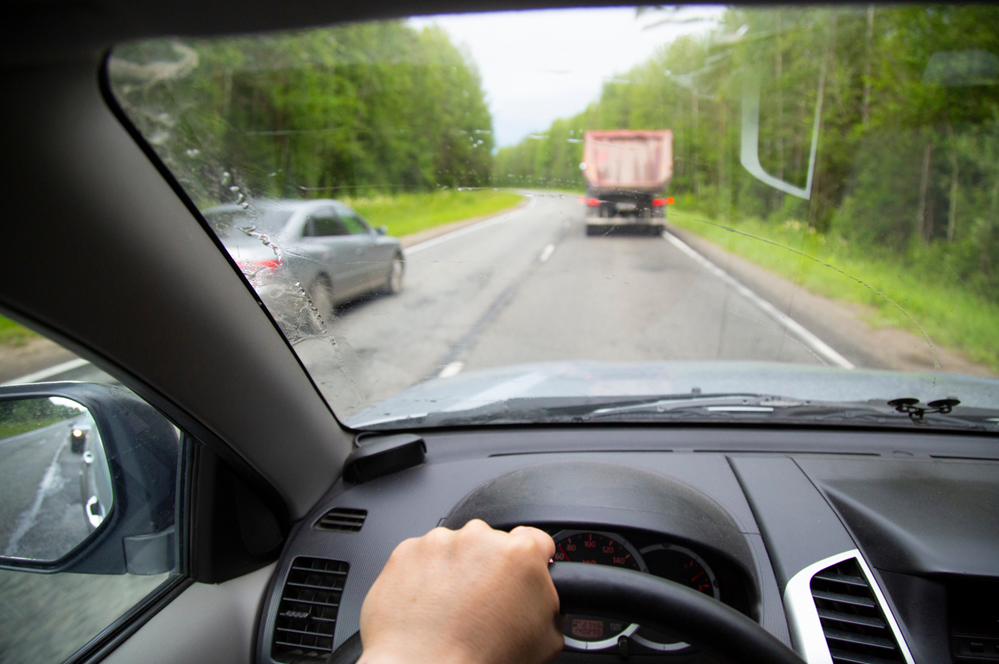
(578, 546)
(679, 564)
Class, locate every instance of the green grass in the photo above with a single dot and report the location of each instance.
(910, 297)
(8, 429)
(405, 214)
(12, 334)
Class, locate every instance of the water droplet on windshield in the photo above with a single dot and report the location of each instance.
(226, 177)
(192, 152)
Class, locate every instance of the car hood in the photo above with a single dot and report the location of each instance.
(588, 380)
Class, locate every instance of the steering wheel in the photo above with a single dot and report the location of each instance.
(634, 597)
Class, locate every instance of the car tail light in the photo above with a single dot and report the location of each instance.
(658, 202)
(592, 202)
(272, 263)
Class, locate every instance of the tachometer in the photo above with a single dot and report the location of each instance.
(683, 566)
(575, 546)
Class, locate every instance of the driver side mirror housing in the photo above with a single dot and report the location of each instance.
(128, 455)
(381, 230)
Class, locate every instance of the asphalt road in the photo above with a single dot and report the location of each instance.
(41, 515)
(530, 286)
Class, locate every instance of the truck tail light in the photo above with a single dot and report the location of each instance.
(658, 202)
(593, 202)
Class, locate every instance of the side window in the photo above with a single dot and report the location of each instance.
(355, 225)
(325, 223)
(89, 486)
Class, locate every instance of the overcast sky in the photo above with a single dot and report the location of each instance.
(540, 65)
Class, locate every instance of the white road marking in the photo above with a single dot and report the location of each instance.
(546, 253)
(452, 369)
(810, 340)
(26, 520)
(48, 373)
(461, 232)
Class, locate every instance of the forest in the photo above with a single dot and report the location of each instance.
(320, 113)
(906, 164)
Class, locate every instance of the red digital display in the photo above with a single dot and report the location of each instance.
(587, 629)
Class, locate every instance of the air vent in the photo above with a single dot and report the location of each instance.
(307, 613)
(342, 520)
(853, 623)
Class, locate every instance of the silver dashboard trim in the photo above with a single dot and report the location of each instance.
(803, 618)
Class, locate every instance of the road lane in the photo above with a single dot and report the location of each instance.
(533, 287)
(386, 344)
(528, 285)
(630, 299)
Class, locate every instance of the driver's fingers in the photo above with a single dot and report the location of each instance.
(543, 539)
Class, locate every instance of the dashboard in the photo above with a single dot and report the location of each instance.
(848, 546)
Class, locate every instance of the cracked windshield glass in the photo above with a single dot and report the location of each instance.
(773, 214)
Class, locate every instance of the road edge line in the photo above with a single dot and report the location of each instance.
(809, 338)
(46, 373)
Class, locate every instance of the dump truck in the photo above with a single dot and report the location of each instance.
(626, 172)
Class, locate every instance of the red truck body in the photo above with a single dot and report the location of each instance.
(628, 160)
(625, 171)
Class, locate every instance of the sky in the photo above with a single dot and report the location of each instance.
(537, 66)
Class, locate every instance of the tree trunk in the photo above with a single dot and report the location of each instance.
(952, 212)
(724, 187)
(922, 227)
(867, 65)
(780, 111)
(696, 142)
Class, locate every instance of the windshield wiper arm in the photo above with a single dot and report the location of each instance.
(748, 405)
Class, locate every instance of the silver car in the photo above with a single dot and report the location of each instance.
(321, 246)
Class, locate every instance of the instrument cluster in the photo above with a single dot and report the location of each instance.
(646, 553)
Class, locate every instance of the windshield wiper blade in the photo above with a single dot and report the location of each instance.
(719, 403)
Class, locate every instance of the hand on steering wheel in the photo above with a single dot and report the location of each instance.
(483, 595)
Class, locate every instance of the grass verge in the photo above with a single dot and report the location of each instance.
(904, 296)
(405, 214)
(12, 334)
(13, 428)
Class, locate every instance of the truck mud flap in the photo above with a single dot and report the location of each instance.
(621, 230)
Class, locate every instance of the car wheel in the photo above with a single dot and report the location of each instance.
(397, 270)
(321, 295)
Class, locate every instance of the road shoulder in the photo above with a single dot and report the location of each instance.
(431, 233)
(840, 324)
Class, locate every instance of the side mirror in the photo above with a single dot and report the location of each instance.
(381, 230)
(89, 477)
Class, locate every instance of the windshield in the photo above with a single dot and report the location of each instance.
(653, 213)
(232, 221)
